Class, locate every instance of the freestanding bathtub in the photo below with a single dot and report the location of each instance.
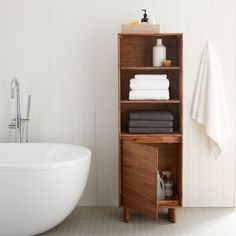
(40, 184)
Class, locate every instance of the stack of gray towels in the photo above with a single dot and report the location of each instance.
(150, 122)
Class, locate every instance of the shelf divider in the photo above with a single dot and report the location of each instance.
(171, 101)
(150, 68)
(152, 138)
(169, 203)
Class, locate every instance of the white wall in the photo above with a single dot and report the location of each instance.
(65, 54)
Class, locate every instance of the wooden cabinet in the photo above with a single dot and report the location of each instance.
(142, 155)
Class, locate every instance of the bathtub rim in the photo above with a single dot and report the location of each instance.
(33, 167)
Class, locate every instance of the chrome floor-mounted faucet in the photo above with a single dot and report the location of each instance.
(20, 125)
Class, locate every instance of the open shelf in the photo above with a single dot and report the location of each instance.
(169, 203)
(128, 106)
(171, 101)
(136, 52)
(172, 75)
(150, 68)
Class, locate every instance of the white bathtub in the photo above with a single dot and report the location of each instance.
(40, 184)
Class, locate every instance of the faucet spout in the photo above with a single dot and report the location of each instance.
(14, 85)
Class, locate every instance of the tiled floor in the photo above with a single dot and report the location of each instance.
(104, 221)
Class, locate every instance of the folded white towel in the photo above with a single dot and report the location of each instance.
(149, 84)
(151, 76)
(149, 94)
(209, 107)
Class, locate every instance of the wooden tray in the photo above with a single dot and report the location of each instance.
(140, 29)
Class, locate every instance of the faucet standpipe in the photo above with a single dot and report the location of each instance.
(18, 123)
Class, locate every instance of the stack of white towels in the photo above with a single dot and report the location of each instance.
(149, 87)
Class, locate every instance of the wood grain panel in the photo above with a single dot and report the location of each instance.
(139, 178)
(152, 138)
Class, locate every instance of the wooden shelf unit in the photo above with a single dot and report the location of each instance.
(142, 155)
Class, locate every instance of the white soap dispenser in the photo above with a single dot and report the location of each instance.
(144, 20)
(159, 53)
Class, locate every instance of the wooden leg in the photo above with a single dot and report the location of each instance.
(126, 214)
(172, 215)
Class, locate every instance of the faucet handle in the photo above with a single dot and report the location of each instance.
(12, 125)
(28, 107)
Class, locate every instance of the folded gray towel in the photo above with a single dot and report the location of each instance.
(151, 115)
(150, 124)
(150, 130)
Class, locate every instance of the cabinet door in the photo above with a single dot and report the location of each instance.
(139, 178)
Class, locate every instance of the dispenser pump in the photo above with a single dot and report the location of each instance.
(144, 19)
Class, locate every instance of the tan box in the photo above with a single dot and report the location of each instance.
(140, 29)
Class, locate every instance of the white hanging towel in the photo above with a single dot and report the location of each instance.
(209, 107)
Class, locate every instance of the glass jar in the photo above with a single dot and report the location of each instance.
(168, 183)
